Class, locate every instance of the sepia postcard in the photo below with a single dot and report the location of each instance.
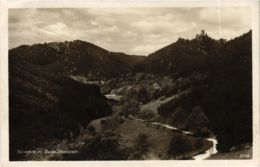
(129, 83)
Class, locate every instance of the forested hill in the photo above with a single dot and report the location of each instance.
(226, 93)
(184, 56)
(76, 58)
(229, 95)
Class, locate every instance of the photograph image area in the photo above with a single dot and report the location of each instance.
(147, 83)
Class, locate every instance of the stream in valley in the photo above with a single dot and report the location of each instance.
(204, 155)
(201, 156)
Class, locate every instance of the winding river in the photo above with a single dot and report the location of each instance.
(201, 156)
(204, 155)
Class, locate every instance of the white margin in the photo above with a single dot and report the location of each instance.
(4, 5)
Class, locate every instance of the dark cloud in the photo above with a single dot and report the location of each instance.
(129, 30)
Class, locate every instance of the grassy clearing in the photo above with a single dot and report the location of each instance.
(153, 105)
(158, 139)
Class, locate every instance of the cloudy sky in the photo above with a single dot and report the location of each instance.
(131, 30)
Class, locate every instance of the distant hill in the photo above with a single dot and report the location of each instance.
(76, 58)
(182, 57)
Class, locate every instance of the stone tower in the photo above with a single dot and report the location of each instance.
(203, 33)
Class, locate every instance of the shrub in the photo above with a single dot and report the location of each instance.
(179, 145)
(198, 144)
(146, 115)
(130, 107)
(141, 147)
(198, 122)
(110, 123)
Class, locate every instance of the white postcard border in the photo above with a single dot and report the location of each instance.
(4, 6)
